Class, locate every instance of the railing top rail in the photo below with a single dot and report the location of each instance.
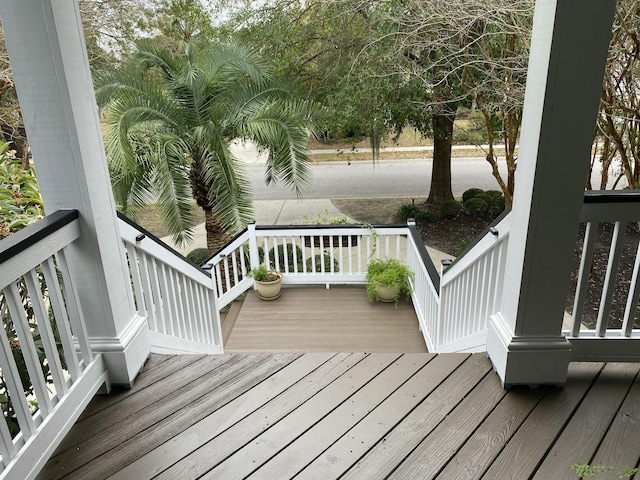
(611, 196)
(610, 206)
(32, 234)
(425, 257)
(151, 236)
(354, 226)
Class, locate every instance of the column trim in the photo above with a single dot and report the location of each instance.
(527, 360)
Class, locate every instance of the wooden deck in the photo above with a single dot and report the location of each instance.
(352, 416)
(316, 319)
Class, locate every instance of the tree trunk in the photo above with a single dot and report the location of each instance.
(442, 123)
(17, 138)
(216, 236)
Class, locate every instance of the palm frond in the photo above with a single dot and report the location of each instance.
(226, 64)
(170, 119)
(230, 191)
(284, 128)
(149, 55)
(172, 187)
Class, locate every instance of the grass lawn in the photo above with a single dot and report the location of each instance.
(150, 219)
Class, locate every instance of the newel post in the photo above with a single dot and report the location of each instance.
(254, 252)
(53, 80)
(568, 55)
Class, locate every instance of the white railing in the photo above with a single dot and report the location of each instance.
(323, 254)
(306, 254)
(229, 269)
(176, 297)
(425, 287)
(470, 292)
(49, 372)
(610, 340)
(326, 255)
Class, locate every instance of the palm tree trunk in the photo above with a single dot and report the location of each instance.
(216, 236)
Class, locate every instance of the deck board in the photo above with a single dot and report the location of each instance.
(351, 419)
(344, 453)
(485, 444)
(390, 450)
(590, 422)
(437, 448)
(527, 448)
(223, 445)
(250, 410)
(353, 415)
(621, 444)
(313, 319)
(369, 378)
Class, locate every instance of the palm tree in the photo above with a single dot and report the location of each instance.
(170, 120)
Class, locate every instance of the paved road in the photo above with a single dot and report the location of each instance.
(361, 179)
(386, 179)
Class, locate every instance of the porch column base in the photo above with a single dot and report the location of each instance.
(125, 355)
(531, 361)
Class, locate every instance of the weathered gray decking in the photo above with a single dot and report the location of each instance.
(352, 416)
(316, 319)
(347, 415)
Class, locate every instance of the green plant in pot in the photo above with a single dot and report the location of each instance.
(388, 280)
(268, 282)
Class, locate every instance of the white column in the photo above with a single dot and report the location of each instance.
(53, 80)
(566, 68)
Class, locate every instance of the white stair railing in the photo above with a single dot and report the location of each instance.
(43, 326)
(607, 341)
(230, 269)
(176, 297)
(425, 287)
(470, 291)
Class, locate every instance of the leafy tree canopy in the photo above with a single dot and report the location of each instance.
(340, 53)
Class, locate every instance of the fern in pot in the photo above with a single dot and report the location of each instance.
(268, 282)
(388, 280)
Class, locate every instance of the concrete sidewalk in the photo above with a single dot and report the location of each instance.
(247, 152)
(273, 212)
(287, 212)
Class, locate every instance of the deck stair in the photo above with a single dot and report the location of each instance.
(229, 318)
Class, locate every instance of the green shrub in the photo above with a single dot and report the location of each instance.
(198, 256)
(464, 244)
(20, 202)
(327, 263)
(290, 260)
(494, 193)
(471, 193)
(476, 206)
(460, 136)
(419, 213)
(477, 138)
(450, 208)
(487, 198)
(499, 204)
